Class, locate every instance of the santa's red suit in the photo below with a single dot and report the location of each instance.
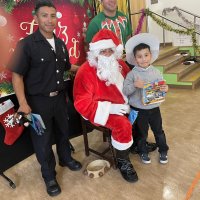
(93, 98)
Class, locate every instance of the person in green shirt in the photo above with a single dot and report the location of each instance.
(110, 18)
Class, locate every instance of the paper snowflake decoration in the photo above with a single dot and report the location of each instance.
(8, 121)
(10, 38)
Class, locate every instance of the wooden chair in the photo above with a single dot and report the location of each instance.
(88, 127)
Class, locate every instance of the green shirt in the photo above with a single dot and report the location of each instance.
(119, 24)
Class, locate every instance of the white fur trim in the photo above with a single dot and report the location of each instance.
(119, 48)
(119, 85)
(102, 112)
(5, 106)
(119, 51)
(102, 44)
(121, 146)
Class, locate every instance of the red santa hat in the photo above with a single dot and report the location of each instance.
(105, 39)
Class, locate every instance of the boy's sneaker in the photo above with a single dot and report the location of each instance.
(145, 158)
(163, 158)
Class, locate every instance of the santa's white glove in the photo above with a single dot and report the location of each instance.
(119, 109)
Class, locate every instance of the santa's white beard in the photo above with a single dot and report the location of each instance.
(108, 69)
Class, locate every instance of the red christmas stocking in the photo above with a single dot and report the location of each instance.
(13, 130)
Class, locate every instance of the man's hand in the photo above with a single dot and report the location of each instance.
(119, 109)
(22, 119)
(24, 108)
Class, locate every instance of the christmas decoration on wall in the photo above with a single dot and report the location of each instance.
(12, 129)
(10, 4)
(70, 17)
(180, 14)
(187, 31)
(140, 23)
(6, 88)
(6, 39)
(167, 26)
(81, 2)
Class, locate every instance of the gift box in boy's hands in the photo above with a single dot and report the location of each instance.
(152, 93)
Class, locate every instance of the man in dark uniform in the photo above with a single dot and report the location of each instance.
(38, 67)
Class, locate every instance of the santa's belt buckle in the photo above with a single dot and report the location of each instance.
(53, 94)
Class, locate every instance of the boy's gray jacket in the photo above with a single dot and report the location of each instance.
(150, 74)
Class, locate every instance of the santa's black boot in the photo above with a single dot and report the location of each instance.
(126, 168)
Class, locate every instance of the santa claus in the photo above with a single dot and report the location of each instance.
(98, 95)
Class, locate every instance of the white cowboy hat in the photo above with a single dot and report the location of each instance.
(145, 38)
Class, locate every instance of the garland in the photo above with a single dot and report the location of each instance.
(9, 5)
(140, 23)
(81, 2)
(167, 26)
(190, 24)
(6, 88)
(188, 31)
(194, 44)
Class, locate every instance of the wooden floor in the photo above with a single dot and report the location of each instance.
(181, 120)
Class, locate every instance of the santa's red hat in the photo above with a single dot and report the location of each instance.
(105, 39)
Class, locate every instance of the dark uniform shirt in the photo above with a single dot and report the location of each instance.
(42, 68)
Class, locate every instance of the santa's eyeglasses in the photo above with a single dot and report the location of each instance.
(106, 51)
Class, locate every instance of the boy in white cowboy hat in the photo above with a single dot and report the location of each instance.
(142, 50)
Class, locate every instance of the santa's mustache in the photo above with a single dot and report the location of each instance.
(108, 69)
